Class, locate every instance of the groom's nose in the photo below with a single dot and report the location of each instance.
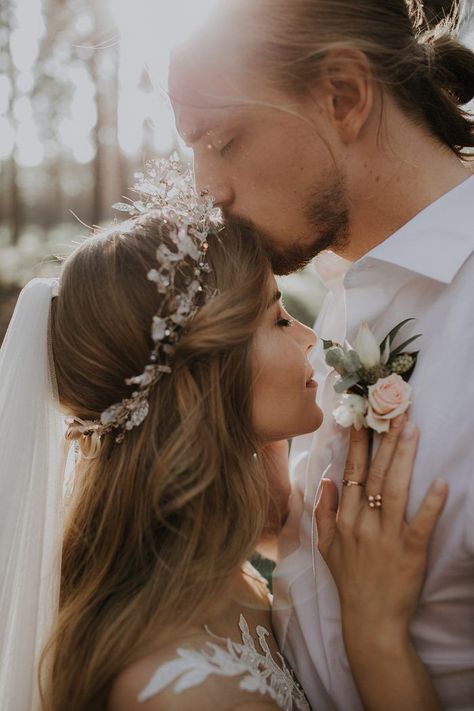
(210, 183)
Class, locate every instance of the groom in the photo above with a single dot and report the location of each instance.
(336, 132)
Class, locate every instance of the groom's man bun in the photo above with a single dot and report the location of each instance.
(427, 70)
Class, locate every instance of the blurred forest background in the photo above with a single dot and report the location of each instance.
(79, 115)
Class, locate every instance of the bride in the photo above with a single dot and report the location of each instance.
(167, 346)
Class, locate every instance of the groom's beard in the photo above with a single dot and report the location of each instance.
(327, 215)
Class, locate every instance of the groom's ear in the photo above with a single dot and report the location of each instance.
(345, 92)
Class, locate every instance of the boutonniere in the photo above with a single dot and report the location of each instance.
(373, 379)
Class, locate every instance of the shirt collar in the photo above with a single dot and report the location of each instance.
(438, 240)
(331, 268)
(435, 243)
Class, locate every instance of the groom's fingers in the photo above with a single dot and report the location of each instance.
(325, 514)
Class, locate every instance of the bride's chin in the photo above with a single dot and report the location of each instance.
(315, 423)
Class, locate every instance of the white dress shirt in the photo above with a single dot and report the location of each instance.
(425, 270)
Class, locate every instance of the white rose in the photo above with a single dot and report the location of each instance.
(351, 412)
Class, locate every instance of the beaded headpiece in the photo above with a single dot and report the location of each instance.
(166, 191)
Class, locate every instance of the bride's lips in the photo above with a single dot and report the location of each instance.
(311, 383)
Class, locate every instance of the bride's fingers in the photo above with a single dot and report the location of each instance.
(397, 480)
(355, 472)
(325, 514)
(421, 527)
(383, 458)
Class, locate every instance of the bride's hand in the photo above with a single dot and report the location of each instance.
(377, 559)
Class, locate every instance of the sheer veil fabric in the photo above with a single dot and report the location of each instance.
(32, 466)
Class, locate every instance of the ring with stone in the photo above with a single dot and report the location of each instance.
(352, 482)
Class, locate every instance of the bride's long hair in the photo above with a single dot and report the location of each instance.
(159, 521)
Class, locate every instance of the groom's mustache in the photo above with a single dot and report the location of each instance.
(245, 226)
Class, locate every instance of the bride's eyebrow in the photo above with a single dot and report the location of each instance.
(276, 297)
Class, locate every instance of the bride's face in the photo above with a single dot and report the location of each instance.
(284, 392)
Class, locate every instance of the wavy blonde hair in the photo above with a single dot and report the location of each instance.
(161, 520)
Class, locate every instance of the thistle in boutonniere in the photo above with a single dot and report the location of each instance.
(373, 378)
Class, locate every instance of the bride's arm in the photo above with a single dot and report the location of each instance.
(378, 562)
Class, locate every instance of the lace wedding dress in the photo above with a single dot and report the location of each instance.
(257, 670)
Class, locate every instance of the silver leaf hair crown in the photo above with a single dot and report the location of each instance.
(165, 190)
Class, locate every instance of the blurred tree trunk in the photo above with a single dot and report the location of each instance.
(15, 208)
(97, 189)
(108, 169)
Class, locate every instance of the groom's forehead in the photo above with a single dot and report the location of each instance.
(202, 80)
(203, 95)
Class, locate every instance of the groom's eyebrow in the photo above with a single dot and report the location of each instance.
(195, 135)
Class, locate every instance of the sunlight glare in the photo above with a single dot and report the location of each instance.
(148, 32)
(30, 149)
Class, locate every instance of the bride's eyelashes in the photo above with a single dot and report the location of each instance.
(285, 322)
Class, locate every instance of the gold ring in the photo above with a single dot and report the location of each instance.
(352, 482)
(375, 502)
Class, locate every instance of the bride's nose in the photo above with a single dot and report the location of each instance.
(307, 337)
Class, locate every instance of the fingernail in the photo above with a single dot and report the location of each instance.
(409, 430)
(398, 421)
(439, 486)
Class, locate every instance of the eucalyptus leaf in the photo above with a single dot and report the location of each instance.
(351, 362)
(344, 384)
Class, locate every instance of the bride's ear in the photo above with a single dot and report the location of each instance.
(325, 515)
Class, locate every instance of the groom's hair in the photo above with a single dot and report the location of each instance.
(428, 72)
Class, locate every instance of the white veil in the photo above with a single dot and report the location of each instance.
(32, 465)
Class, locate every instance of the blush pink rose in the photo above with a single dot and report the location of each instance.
(388, 398)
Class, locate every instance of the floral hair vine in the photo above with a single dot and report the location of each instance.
(373, 379)
(166, 190)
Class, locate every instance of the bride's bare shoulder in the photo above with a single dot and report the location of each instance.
(131, 682)
(158, 674)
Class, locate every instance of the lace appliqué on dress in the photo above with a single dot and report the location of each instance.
(259, 671)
